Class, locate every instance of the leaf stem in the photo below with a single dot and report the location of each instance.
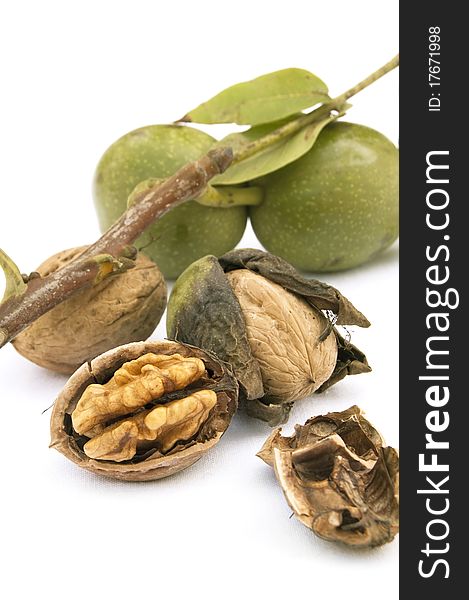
(13, 279)
(226, 196)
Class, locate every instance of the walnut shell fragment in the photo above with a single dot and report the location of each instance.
(338, 478)
(144, 410)
(120, 309)
(273, 326)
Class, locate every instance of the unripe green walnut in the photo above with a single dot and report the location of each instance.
(335, 207)
(188, 231)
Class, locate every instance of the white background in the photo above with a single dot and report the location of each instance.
(74, 77)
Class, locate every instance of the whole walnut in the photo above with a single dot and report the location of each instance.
(120, 309)
(255, 311)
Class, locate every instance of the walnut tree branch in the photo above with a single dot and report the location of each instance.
(24, 304)
(107, 255)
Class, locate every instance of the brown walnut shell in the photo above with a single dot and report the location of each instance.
(338, 478)
(122, 308)
(285, 336)
(149, 463)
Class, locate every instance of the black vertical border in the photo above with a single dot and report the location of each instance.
(422, 131)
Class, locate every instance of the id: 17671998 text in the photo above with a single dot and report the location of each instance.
(434, 68)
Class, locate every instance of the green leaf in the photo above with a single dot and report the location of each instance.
(273, 157)
(262, 100)
(15, 286)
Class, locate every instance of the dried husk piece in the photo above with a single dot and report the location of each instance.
(159, 434)
(208, 309)
(339, 478)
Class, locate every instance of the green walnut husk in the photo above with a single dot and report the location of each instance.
(186, 232)
(339, 478)
(337, 206)
(281, 349)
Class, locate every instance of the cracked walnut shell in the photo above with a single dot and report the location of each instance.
(144, 410)
(120, 309)
(338, 478)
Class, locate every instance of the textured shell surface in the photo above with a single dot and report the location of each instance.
(120, 309)
(283, 332)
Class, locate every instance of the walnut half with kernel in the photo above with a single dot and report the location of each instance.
(144, 410)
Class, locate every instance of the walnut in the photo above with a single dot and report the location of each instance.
(134, 385)
(144, 410)
(274, 327)
(121, 308)
(168, 424)
(339, 478)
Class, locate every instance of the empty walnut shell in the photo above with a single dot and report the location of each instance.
(120, 309)
(338, 478)
(256, 312)
(123, 417)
